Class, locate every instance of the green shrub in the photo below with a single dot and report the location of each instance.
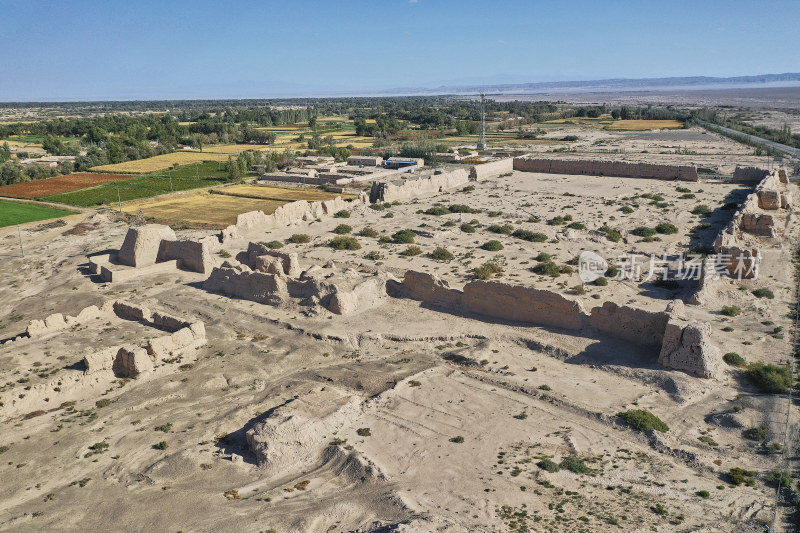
(643, 420)
(666, 228)
(299, 238)
(162, 445)
(548, 466)
(559, 220)
(770, 379)
(487, 270)
(377, 207)
(687, 196)
(273, 245)
(404, 236)
(504, 229)
(626, 209)
(576, 225)
(682, 189)
(461, 208)
(701, 209)
(344, 243)
(730, 310)
(543, 257)
(738, 476)
(411, 251)
(441, 254)
(611, 234)
(734, 359)
(437, 210)
(342, 229)
(225, 254)
(764, 293)
(363, 432)
(449, 224)
(492, 246)
(368, 232)
(389, 215)
(612, 271)
(467, 228)
(344, 213)
(529, 236)
(373, 256)
(756, 433)
(601, 281)
(669, 284)
(547, 268)
(458, 440)
(703, 494)
(643, 231)
(575, 465)
(775, 478)
(105, 402)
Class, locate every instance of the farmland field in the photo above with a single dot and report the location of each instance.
(130, 189)
(59, 184)
(18, 213)
(636, 125)
(280, 193)
(160, 162)
(201, 209)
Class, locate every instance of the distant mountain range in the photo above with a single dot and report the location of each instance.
(788, 79)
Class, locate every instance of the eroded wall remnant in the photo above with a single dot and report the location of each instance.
(619, 169)
(683, 345)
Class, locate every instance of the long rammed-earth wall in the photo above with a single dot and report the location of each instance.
(620, 169)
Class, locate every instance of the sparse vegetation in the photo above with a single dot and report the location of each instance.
(299, 238)
(769, 378)
(731, 310)
(441, 254)
(492, 246)
(411, 251)
(643, 420)
(763, 293)
(734, 359)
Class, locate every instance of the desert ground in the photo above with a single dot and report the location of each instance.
(402, 417)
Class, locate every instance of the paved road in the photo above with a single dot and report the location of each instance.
(777, 146)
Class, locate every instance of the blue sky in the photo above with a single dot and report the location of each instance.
(115, 49)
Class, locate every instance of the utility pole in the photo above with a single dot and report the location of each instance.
(170, 181)
(119, 199)
(482, 138)
(19, 232)
(197, 170)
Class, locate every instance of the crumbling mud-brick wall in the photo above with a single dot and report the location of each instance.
(691, 352)
(749, 174)
(619, 169)
(492, 169)
(418, 187)
(190, 255)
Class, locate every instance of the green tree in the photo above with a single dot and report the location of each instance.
(234, 172)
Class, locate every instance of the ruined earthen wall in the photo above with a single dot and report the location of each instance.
(620, 169)
(491, 169)
(418, 188)
(191, 255)
(749, 174)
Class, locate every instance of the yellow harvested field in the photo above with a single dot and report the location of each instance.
(286, 194)
(635, 125)
(233, 149)
(160, 162)
(200, 209)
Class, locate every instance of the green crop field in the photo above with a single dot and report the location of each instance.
(18, 213)
(183, 179)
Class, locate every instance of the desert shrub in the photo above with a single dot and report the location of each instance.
(344, 243)
(458, 439)
(579, 290)
(461, 208)
(534, 219)
(703, 494)
(611, 234)
(530, 236)
(342, 229)
(547, 268)
(441, 254)
(105, 402)
(576, 225)
(730, 310)
(643, 231)
(669, 284)
(467, 228)
(543, 257)
(299, 238)
(548, 466)
(161, 445)
(775, 478)
(449, 224)
(389, 215)
(377, 207)
(626, 209)
(643, 420)
(701, 209)
(764, 293)
(739, 476)
(368, 232)
(225, 254)
(612, 271)
(687, 196)
(487, 270)
(373, 256)
(273, 245)
(404, 236)
(756, 433)
(734, 359)
(666, 228)
(504, 229)
(601, 281)
(770, 378)
(559, 220)
(492, 246)
(363, 432)
(575, 465)
(682, 189)
(344, 213)
(437, 210)
(411, 251)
